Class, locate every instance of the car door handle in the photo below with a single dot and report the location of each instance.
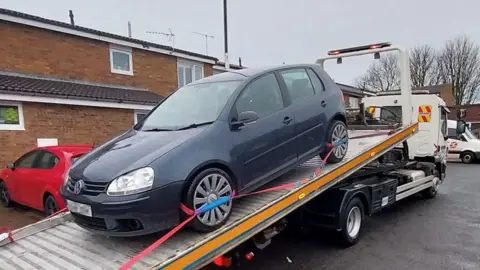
(323, 103)
(287, 120)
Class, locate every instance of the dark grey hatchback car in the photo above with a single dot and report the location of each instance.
(232, 131)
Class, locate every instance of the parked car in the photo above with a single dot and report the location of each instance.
(232, 131)
(34, 180)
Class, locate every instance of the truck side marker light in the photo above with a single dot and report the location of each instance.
(301, 196)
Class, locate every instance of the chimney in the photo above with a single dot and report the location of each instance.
(72, 22)
(240, 61)
(129, 29)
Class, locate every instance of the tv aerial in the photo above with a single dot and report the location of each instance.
(171, 36)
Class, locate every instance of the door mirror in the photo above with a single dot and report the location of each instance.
(11, 166)
(461, 126)
(461, 113)
(445, 137)
(244, 118)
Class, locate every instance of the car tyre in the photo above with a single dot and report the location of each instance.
(352, 220)
(208, 186)
(468, 157)
(50, 205)
(5, 196)
(337, 131)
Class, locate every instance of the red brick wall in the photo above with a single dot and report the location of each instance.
(38, 51)
(69, 124)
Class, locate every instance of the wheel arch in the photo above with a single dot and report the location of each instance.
(218, 164)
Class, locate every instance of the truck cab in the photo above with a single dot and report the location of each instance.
(465, 146)
(429, 110)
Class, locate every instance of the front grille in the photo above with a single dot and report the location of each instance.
(91, 222)
(91, 188)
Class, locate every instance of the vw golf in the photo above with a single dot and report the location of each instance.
(233, 131)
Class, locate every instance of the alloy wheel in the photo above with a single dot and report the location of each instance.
(211, 188)
(340, 133)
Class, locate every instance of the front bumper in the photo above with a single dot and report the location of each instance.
(133, 215)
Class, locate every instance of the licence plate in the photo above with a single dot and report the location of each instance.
(79, 208)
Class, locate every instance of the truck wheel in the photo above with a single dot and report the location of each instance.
(4, 195)
(208, 186)
(337, 131)
(467, 157)
(352, 221)
(432, 191)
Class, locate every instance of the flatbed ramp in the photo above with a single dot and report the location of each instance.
(58, 243)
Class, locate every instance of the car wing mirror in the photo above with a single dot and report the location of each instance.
(245, 118)
(11, 166)
(461, 126)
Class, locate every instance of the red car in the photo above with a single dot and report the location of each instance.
(34, 180)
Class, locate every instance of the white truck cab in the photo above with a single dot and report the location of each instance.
(429, 110)
(465, 146)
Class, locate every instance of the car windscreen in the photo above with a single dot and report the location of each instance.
(190, 104)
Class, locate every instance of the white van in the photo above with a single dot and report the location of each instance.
(465, 146)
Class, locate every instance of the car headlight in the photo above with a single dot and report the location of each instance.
(132, 183)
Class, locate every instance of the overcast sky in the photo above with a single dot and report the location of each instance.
(265, 32)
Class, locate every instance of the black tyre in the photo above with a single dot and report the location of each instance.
(208, 186)
(5, 196)
(337, 131)
(352, 221)
(50, 206)
(432, 191)
(468, 157)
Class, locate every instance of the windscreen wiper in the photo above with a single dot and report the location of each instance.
(158, 129)
(195, 125)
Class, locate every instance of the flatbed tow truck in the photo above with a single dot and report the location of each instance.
(379, 170)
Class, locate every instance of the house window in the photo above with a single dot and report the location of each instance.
(11, 116)
(188, 72)
(139, 115)
(121, 60)
(353, 102)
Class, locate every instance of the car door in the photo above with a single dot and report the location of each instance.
(267, 145)
(305, 91)
(20, 175)
(42, 176)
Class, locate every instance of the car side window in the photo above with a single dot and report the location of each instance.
(262, 96)
(298, 83)
(317, 83)
(47, 161)
(27, 160)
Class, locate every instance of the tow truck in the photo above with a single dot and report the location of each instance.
(384, 164)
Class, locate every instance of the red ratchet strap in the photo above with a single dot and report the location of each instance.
(7, 231)
(192, 214)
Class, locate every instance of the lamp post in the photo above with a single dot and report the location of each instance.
(225, 32)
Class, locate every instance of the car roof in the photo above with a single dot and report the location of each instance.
(72, 148)
(245, 73)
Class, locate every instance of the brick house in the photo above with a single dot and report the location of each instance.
(69, 84)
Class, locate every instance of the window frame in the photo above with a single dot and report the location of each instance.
(284, 84)
(285, 99)
(135, 116)
(40, 156)
(36, 152)
(356, 101)
(444, 112)
(192, 65)
(21, 124)
(123, 50)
